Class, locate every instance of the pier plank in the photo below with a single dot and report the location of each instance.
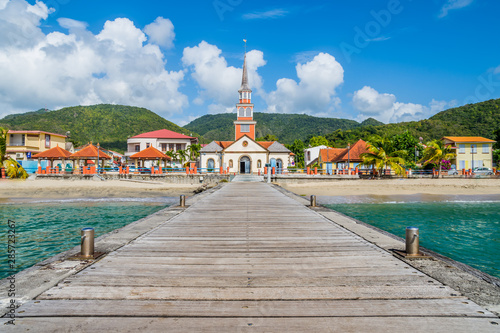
(248, 258)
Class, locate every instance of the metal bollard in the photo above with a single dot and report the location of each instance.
(183, 201)
(87, 243)
(412, 242)
(313, 201)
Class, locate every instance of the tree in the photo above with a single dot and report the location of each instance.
(11, 166)
(318, 141)
(269, 137)
(183, 156)
(382, 154)
(298, 149)
(436, 152)
(172, 154)
(408, 143)
(194, 151)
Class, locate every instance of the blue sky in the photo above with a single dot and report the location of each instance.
(394, 60)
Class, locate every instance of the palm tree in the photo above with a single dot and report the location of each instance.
(381, 154)
(11, 166)
(436, 152)
(183, 156)
(172, 154)
(194, 151)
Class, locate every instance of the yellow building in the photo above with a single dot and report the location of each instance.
(472, 151)
(21, 145)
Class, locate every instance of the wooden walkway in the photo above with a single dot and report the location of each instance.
(249, 258)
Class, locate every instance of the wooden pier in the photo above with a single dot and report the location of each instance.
(249, 258)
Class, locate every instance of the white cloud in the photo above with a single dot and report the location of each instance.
(218, 81)
(314, 93)
(452, 5)
(70, 24)
(79, 68)
(385, 108)
(161, 32)
(270, 14)
(497, 70)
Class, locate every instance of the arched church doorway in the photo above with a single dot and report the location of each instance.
(245, 165)
(279, 166)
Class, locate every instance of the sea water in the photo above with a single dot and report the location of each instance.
(45, 228)
(464, 228)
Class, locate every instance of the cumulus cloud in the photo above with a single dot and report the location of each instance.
(385, 108)
(161, 32)
(314, 93)
(452, 5)
(218, 81)
(62, 69)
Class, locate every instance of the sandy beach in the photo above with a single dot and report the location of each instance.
(58, 189)
(450, 186)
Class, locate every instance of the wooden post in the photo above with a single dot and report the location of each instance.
(47, 170)
(315, 170)
(128, 170)
(308, 170)
(273, 171)
(221, 171)
(39, 170)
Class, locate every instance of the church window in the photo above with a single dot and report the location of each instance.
(230, 163)
(245, 128)
(241, 112)
(259, 164)
(248, 112)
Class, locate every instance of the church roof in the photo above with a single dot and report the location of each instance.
(265, 144)
(244, 78)
(277, 147)
(211, 147)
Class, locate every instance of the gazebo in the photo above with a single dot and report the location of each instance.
(54, 154)
(90, 152)
(150, 154)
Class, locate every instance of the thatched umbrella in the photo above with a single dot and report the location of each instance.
(53, 154)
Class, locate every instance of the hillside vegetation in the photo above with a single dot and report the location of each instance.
(287, 127)
(108, 125)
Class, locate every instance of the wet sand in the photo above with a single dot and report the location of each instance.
(62, 189)
(394, 187)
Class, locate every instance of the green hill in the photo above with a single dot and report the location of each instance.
(287, 127)
(481, 119)
(109, 125)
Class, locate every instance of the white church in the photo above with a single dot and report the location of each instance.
(244, 155)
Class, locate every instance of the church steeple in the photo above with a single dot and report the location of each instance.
(245, 125)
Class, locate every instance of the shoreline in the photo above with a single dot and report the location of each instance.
(72, 189)
(394, 187)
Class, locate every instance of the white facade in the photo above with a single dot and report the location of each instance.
(312, 154)
(244, 156)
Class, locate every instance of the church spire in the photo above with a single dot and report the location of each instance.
(244, 79)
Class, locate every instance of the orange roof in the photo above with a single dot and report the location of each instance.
(224, 144)
(150, 153)
(355, 152)
(331, 154)
(468, 139)
(265, 144)
(90, 152)
(54, 153)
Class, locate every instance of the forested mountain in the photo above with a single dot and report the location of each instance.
(108, 125)
(287, 127)
(111, 125)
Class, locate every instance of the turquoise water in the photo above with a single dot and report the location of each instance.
(46, 228)
(466, 229)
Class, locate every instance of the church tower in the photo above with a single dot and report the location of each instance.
(245, 125)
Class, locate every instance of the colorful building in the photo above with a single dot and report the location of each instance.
(22, 145)
(471, 151)
(244, 154)
(164, 140)
(311, 154)
(342, 158)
